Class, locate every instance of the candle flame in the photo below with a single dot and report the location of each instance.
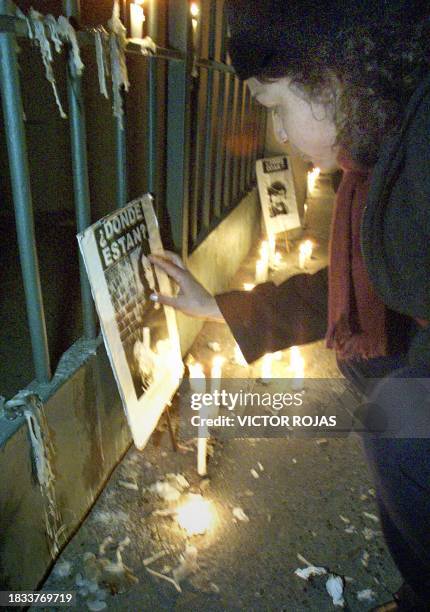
(261, 270)
(264, 249)
(312, 178)
(305, 252)
(248, 286)
(306, 248)
(196, 515)
(196, 370)
(217, 363)
(194, 9)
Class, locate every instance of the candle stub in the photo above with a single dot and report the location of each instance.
(305, 253)
(297, 367)
(312, 179)
(137, 17)
(197, 378)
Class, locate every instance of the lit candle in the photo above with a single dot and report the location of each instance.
(272, 248)
(216, 376)
(261, 271)
(248, 286)
(265, 250)
(305, 216)
(202, 447)
(277, 259)
(194, 10)
(305, 253)
(297, 367)
(312, 179)
(196, 515)
(266, 366)
(216, 373)
(137, 17)
(197, 378)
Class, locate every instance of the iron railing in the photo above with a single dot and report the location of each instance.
(213, 134)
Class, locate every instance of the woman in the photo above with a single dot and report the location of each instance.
(350, 84)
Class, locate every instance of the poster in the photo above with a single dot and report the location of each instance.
(277, 194)
(141, 337)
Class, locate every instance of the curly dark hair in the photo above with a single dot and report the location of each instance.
(378, 68)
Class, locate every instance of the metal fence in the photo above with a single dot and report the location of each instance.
(212, 132)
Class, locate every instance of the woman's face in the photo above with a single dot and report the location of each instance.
(308, 127)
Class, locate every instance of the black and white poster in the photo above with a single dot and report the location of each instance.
(277, 194)
(141, 336)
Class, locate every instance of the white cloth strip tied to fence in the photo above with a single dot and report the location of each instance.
(101, 40)
(31, 406)
(117, 45)
(68, 34)
(46, 29)
(37, 32)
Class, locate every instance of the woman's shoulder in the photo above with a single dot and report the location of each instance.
(417, 156)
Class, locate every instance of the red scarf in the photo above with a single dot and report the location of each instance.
(356, 315)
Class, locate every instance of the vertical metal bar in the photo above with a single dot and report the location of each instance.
(244, 123)
(121, 163)
(222, 110)
(251, 142)
(199, 142)
(220, 144)
(80, 171)
(263, 130)
(13, 115)
(207, 174)
(121, 135)
(153, 102)
(248, 148)
(256, 154)
(229, 142)
(178, 120)
(237, 137)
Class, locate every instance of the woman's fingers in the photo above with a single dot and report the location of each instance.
(174, 258)
(171, 269)
(167, 300)
(170, 256)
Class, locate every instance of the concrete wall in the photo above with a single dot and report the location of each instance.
(214, 266)
(89, 435)
(87, 425)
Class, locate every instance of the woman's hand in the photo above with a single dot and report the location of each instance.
(192, 299)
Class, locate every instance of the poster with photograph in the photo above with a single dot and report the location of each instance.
(141, 337)
(277, 194)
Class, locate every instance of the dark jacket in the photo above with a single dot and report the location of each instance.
(396, 248)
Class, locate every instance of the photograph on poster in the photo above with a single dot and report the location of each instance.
(277, 194)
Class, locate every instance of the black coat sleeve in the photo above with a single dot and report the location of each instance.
(271, 318)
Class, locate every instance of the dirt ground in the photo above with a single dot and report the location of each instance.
(304, 501)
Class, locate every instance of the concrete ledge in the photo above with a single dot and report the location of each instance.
(90, 435)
